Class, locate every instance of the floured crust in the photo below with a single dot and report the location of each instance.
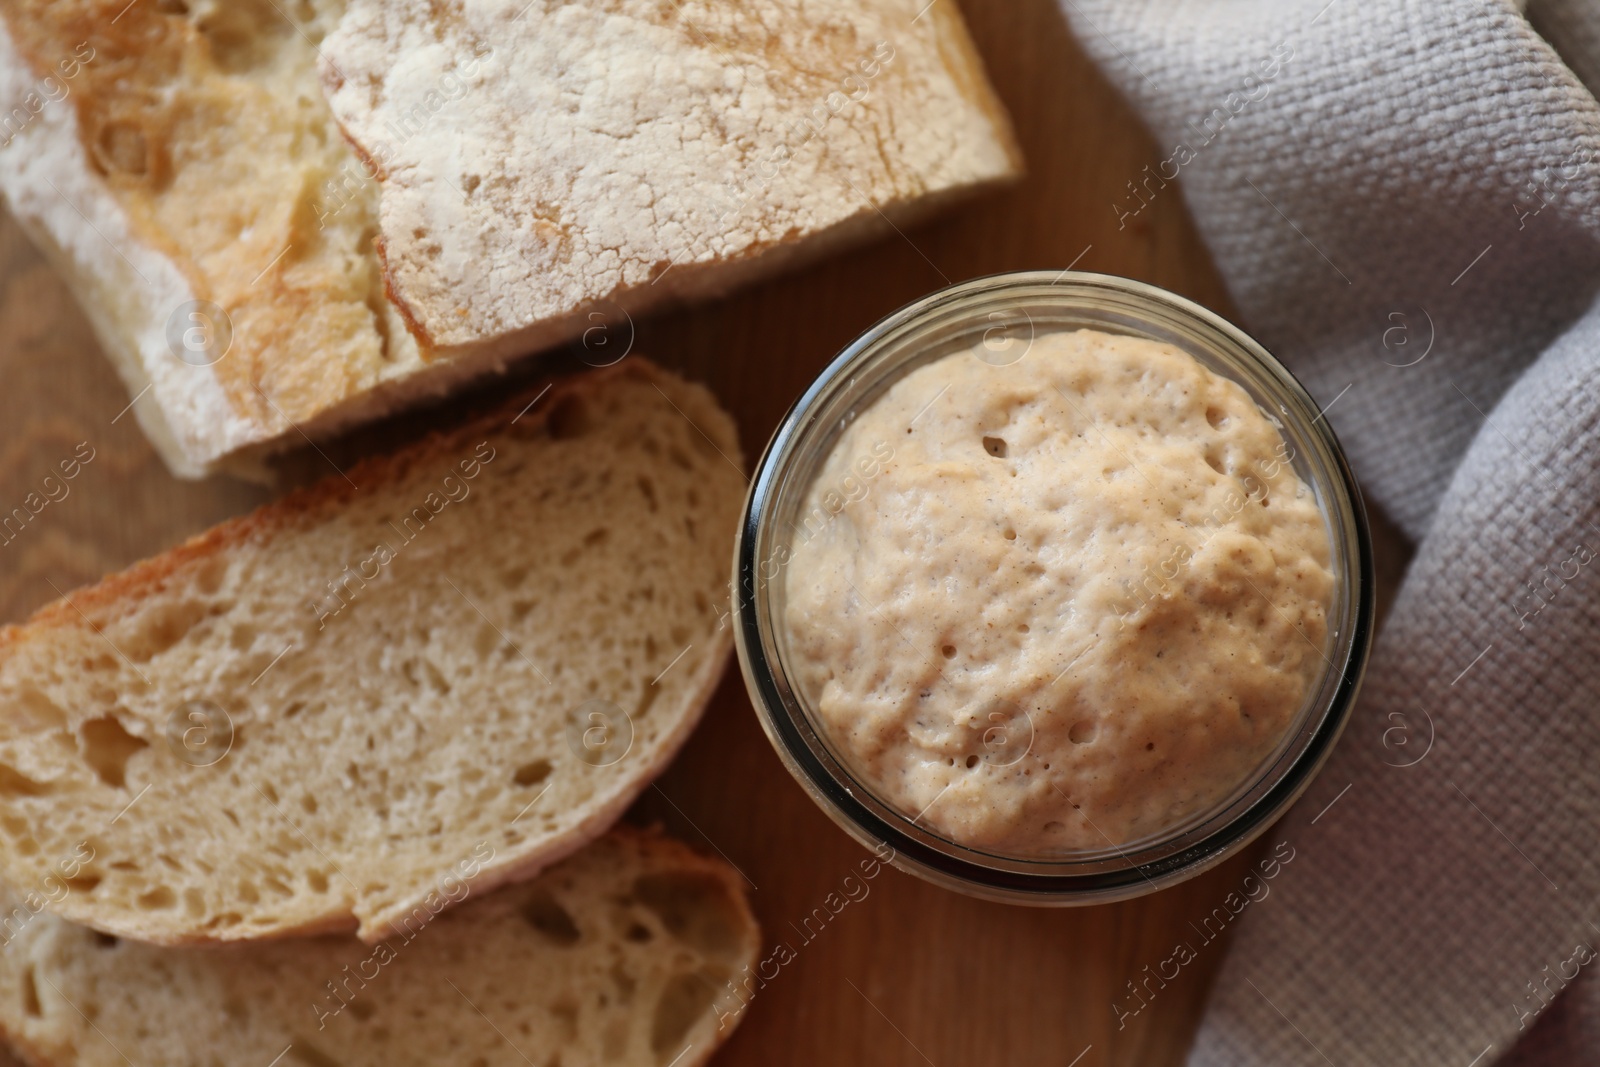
(194, 158)
(507, 717)
(715, 135)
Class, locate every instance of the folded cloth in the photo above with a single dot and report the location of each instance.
(1404, 200)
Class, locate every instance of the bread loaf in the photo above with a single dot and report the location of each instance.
(460, 661)
(620, 955)
(492, 177)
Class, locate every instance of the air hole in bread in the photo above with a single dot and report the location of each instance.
(13, 783)
(684, 999)
(648, 488)
(532, 773)
(242, 637)
(107, 746)
(211, 574)
(163, 626)
(545, 914)
(1214, 461)
(239, 38)
(38, 711)
(694, 907)
(194, 903)
(569, 418)
(317, 880)
(83, 883)
(30, 995)
(995, 446)
(436, 678)
(638, 933)
(158, 899)
(121, 148)
(1216, 417)
(104, 940)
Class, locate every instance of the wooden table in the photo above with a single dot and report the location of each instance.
(910, 974)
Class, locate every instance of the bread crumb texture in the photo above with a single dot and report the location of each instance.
(616, 956)
(325, 711)
(539, 155)
(1069, 602)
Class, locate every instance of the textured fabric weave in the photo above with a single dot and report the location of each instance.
(1404, 200)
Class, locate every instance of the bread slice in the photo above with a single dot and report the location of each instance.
(460, 661)
(621, 955)
(517, 174)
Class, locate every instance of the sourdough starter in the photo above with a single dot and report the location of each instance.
(1083, 598)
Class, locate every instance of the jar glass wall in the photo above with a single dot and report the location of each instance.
(998, 320)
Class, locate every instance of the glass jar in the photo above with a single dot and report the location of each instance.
(997, 318)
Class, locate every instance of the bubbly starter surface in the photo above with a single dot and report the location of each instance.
(1060, 604)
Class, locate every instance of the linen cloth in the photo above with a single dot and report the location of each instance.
(1404, 201)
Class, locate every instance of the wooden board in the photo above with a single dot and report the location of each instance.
(908, 974)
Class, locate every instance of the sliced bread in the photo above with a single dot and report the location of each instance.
(516, 174)
(471, 654)
(622, 954)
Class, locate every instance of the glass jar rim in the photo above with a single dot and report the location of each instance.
(1117, 872)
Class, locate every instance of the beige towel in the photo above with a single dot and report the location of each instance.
(1404, 199)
